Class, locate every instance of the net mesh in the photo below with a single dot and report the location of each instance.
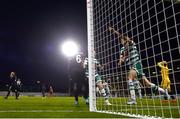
(154, 25)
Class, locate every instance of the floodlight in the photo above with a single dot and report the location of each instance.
(69, 48)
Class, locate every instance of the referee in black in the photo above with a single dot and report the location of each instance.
(12, 85)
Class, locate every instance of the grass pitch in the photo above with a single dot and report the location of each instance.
(50, 107)
(146, 106)
(63, 107)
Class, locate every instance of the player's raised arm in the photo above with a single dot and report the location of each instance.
(163, 65)
(115, 31)
(160, 64)
(121, 36)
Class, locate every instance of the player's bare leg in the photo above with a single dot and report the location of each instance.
(154, 87)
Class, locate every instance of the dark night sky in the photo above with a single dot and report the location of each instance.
(30, 34)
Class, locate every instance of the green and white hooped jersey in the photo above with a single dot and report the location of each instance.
(132, 52)
(86, 66)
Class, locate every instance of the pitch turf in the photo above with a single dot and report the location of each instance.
(50, 107)
(146, 106)
(63, 107)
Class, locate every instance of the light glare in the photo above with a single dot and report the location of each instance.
(69, 48)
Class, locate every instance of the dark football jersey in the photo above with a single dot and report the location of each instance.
(77, 71)
(12, 80)
(76, 63)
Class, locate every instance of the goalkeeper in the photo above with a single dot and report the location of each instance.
(165, 83)
(130, 55)
(98, 80)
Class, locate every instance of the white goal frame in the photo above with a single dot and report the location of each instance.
(91, 56)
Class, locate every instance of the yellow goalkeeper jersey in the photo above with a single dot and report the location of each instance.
(165, 83)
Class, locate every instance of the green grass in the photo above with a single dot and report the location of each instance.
(146, 106)
(52, 107)
(63, 107)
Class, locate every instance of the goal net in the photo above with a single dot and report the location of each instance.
(150, 29)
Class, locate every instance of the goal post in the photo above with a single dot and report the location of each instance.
(153, 30)
(92, 94)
